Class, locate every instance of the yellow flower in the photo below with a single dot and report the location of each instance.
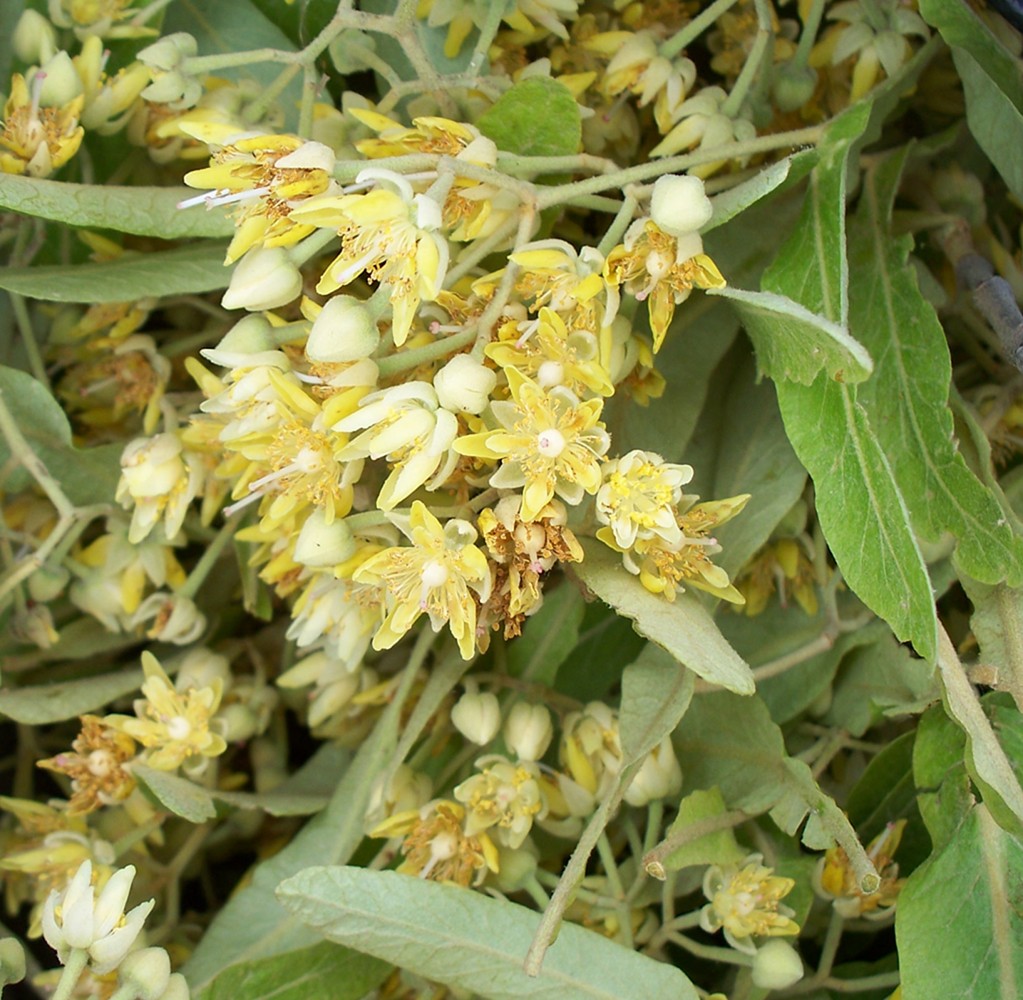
(664, 567)
(639, 495)
(389, 233)
(554, 355)
(95, 766)
(662, 268)
(173, 726)
(437, 846)
(438, 574)
(551, 444)
(267, 175)
(781, 566)
(504, 797)
(745, 900)
(38, 140)
(835, 879)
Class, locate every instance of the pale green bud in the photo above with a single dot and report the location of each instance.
(177, 988)
(169, 52)
(517, 868)
(265, 278)
(34, 39)
(320, 544)
(658, 778)
(199, 668)
(477, 716)
(528, 730)
(61, 83)
(249, 342)
(679, 204)
(47, 582)
(793, 86)
(146, 971)
(344, 331)
(776, 966)
(464, 384)
(12, 961)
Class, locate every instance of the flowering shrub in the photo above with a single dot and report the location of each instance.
(510, 497)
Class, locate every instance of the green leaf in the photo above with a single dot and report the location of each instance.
(184, 270)
(740, 446)
(718, 848)
(144, 211)
(945, 795)
(606, 644)
(877, 681)
(860, 508)
(656, 691)
(794, 343)
(86, 475)
(536, 117)
(10, 12)
(431, 39)
(178, 795)
(959, 922)
(738, 199)
(991, 84)
(325, 971)
(469, 941)
(548, 637)
(683, 626)
(253, 926)
(997, 625)
(859, 505)
(907, 398)
(700, 337)
(47, 703)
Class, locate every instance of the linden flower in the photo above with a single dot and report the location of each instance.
(662, 268)
(95, 766)
(391, 234)
(745, 900)
(437, 846)
(267, 175)
(173, 726)
(835, 879)
(551, 444)
(702, 124)
(637, 67)
(639, 496)
(438, 574)
(75, 919)
(38, 140)
(591, 749)
(503, 797)
(783, 566)
(662, 566)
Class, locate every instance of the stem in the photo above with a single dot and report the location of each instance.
(209, 558)
(778, 666)
(258, 108)
(882, 981)
(28, 338)
(619, 224)
(548, 197)
(828, 952)
(404, 360)
(809, 34)
(753, 62)
(73, 968)
(696, 27)
(727, 955)
(488, 31)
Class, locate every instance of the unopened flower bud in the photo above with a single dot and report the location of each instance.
(343, 331)
(173, 88)
(528, 731)
(679, 204)
(517, 866)
(34, 39)
(248, 343)
(776, 966)
(659, 777)
(477, 716)
(48, 582)
(793, 86)
(201, 668)
(238, 723)
(321, 544)
(169, 52)
(61, 83)
(264, 278)
(146, 971)
(464, 384)
(12, 961)
(35, 625)
(177, 988)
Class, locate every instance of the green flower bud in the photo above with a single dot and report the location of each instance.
(528, 730)
(12, 961)
(344, 331)
(776, 966)
(169, 52)
(679, 204)
(265, 278)
(320, 544)
(464, 384)
(34, 40)
(146, 971)
(793, 86)
(61, 83)
(177, 988)
(477, 716)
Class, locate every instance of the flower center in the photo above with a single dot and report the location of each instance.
(435, 574)
(179, 728)
(550, 443)
(550, 373)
